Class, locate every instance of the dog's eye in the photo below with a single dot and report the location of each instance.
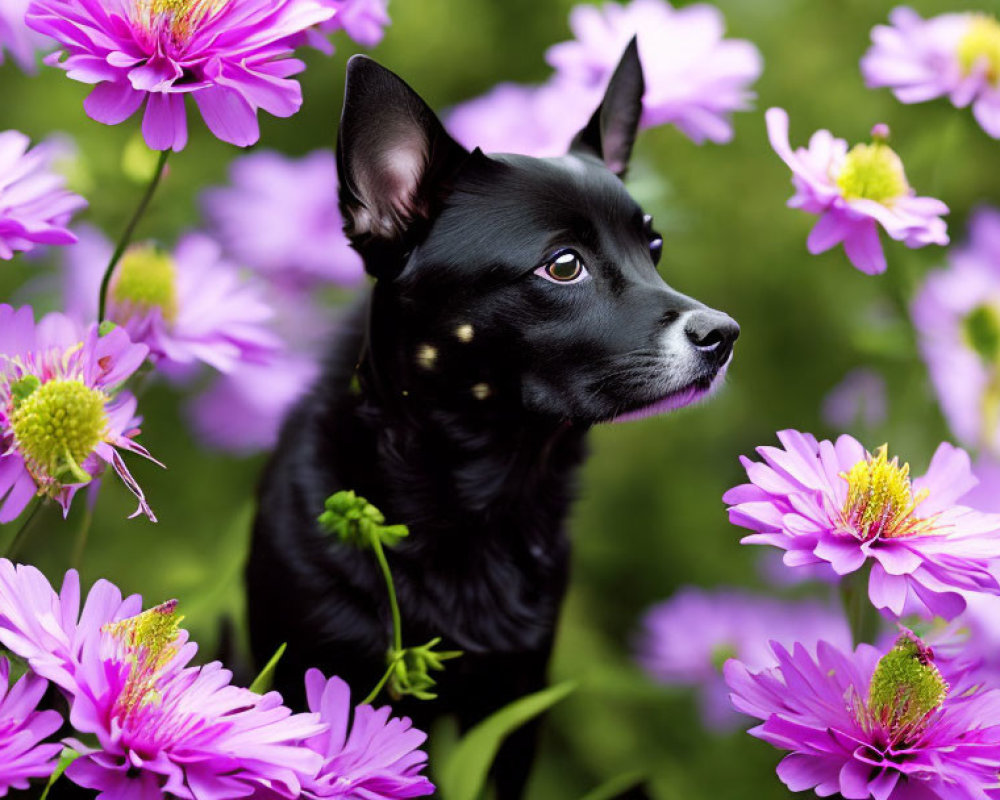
(566, 267)
(655, 240)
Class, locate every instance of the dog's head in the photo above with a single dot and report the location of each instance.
(507, 281)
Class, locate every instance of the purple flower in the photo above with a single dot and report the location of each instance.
(280, 217)
(22, 729)
(232, 57)
(34, 205)
(953, 55)
(363, 20)
(861, 394)
(15, 36)
(188, 306)
(836, 503)
(162, 727)
(62, 418)
(686, 640)
(695, 78)
(957, 317)
(377, 760)
(853, 192)
(864, 724)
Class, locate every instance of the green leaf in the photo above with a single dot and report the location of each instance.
(262, 683)
(66, 757)
(616, 786)
(463, 775)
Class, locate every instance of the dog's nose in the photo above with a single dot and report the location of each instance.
(713, 333)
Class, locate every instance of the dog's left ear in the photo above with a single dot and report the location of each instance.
(610, 133)
(395, 158)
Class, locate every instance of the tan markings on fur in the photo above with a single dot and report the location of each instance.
(464, 333)
(481, 391)
(427, 356)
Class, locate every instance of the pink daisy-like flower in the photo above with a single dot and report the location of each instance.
(957, 317)
(685, 640)
(695, 79)
(374, 756)
(836, 503)
(162, 727)
(17, 38)
(363, 20)
(863, 724)
(22, 730)
(231, 57)
(188, 306)
(281, 218)
(853, 192)
(62, 418)
(34, 205)
(950, 55)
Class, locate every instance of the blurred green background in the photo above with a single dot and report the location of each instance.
(650, 518)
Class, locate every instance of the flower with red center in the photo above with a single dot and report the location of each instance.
(63, 417)
(864, 724)
(231, 56)
(854, 192)
(835, 503)
(22, 731)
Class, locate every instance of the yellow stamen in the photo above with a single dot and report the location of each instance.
(981, 46)
(872, 172)
(145, 279)
(880, 501)
(179, 17)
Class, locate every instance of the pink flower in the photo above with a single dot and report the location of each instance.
(363, 20)
(16, 38)
(62, 415)
(854, 192)
(835, 503)
(22, 730)
(231, 57)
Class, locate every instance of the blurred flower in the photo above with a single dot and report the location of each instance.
(232, 57)
(61, 418)
(189, 306)
(953, 55)
(686, 640)
(957, 317)
(22, 728)
(864, 725)
(281, 217)
(34, 206)
(835, 503)
(860, 395)
(854, 192)
(377, 760)
(695, 79)
(363, 20)
(162, 727)
(17, 38)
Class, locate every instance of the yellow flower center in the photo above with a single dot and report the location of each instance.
(872, 172)
(880, 501)
(180, 18)
(56, 425)
(148, 643)
(981, 45)
(145, 279)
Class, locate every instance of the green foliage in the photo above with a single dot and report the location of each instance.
(411, 667)
(463, 775)
(265, 679)
(66, 757)
(356, 521)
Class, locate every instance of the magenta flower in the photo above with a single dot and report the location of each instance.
(957, 317)
(685, 640)
(162, 727)
(377, 760)
(861, 395)
(363, 20)
(836, 503)
(62, 417)
(34, 205)
(864, 724)
(951, 55)
(281, 218)
(854, 192)
(22, 731)
(232, 57)
(695, 79)
(16, 38)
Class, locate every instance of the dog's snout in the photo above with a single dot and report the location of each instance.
(712, 332)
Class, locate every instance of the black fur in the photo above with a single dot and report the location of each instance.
(477, 381)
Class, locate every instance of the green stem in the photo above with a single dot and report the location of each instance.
(382, 681)
(862, 616)
(126, 236)
(397, 625)
(22, 532)
(81, 537)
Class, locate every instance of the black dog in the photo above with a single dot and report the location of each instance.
(516, 304)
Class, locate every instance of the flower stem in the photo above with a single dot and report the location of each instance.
(126, 236)
(862, 616)
(81, 537)
(382, 681)
(397, 626)
(21, 536)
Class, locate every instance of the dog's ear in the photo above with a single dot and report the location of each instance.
(610, 133)
(394, 156)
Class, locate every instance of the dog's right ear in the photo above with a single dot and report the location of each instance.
(395, 160)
